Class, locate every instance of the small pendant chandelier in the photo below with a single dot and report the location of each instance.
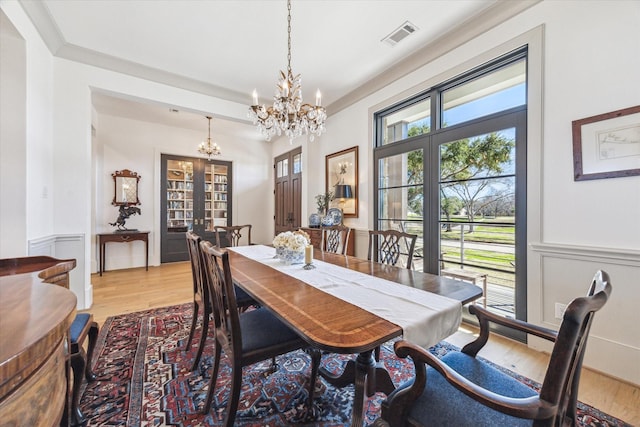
(207, 147)
(288, 114)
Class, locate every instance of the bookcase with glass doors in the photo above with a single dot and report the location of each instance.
(215, 205)
(196, 197)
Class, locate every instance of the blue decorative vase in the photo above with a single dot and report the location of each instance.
(314, 220)
(280, 252)
(292, 257)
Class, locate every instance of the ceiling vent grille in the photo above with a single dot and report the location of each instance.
(400, 33)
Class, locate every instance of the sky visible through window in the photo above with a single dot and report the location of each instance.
(499, 101)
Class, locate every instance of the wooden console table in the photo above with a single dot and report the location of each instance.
(121, 237)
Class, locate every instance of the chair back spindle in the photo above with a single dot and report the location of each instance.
(233, 235)
(386, 246)
(335, 239)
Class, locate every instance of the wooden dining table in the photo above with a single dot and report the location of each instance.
(334, 325)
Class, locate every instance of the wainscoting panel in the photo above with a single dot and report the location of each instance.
(65, 246)
(361, 242)
(558, 274)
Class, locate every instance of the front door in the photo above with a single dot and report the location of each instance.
(288, 191)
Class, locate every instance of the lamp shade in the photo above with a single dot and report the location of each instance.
(343, 192)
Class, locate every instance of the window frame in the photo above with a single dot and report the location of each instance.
(430, 144)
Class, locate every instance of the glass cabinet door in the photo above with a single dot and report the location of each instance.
(179, 206)
(196, 196)
(215, 196)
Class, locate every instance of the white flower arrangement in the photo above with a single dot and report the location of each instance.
(292, 240)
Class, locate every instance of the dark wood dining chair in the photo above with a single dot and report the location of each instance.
(246, 338)
(201, 300)
(386, 246)
(200, 295)
(82, 327)
(335, 239)
(232, 235)
(460, 389)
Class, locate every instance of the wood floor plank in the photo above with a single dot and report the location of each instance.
(126, 291)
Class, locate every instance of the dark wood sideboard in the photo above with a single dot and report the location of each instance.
(316, 239)
(35, 317)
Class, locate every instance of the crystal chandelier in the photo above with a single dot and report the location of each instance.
(207, 147)
(288, 114)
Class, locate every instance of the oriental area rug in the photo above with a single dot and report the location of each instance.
(144, 379)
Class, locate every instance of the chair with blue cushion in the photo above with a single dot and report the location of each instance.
(246, 338)
(463, 390)
(82, 327)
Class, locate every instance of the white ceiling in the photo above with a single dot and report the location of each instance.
(228, 48)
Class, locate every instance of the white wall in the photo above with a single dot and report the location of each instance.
(27, 136)
(13, 146)
(585, 60)
(137, 145)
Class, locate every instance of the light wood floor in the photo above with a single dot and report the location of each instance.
(125, 291)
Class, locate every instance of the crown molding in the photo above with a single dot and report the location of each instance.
(58, 46)
(40, 16)
(134, 69)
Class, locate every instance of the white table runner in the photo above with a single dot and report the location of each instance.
(426, 318)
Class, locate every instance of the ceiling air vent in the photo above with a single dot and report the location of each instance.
(400, 33)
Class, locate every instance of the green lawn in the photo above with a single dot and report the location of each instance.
(491, 234)
(482, 257)
(483, 233)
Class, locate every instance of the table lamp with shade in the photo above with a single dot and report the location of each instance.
(342, 192)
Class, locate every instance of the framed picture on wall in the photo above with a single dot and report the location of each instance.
(607, 145)
(341, 177)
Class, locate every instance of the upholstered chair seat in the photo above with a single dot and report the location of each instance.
(432, 404)
(463, 390)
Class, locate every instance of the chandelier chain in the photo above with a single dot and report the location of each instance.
(289, 36)
(288, 114)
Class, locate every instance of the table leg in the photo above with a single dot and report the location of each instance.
(484, 291)
(146, 252)
(101, 260)
(368, 377)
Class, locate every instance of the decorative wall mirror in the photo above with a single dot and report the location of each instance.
(126, 188)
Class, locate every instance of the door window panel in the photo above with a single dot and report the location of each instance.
(401, 197)
(297, 163)
(477, 213)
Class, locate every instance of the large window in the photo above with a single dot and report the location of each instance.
(450, 166)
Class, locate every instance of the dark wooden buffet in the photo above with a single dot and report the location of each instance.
(34, 321)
